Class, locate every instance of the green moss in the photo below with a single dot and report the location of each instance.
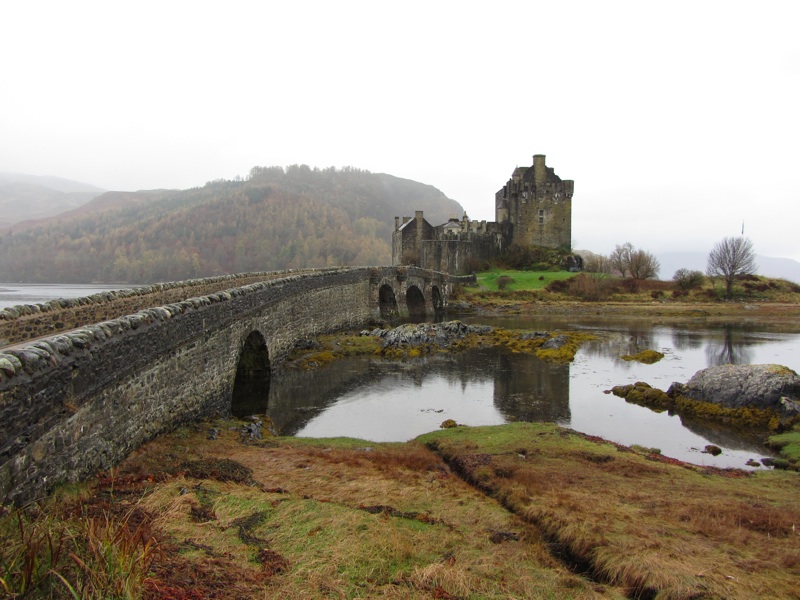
(647, 357)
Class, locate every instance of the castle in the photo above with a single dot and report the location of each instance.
(534, 208)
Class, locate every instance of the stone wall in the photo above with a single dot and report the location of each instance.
(28, 322)
(81, 401)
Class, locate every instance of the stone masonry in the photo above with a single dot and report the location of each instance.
(80, 401)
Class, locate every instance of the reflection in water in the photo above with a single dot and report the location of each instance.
(526, 389)
(729, 347)
(387, 401)
(429, 391)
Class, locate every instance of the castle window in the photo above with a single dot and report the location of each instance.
(541, 217)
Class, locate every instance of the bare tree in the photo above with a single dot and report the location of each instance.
(643, 265)
(620, 258)
(596, 263)
(730, 257)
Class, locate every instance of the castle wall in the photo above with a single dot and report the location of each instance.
(460, 254)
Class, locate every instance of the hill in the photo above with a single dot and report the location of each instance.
(25, 197)
(275, 219)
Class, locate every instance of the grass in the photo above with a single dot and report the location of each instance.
(336, 518)
(522, 280)
(500, 289)
(637, 520)
(516, 511)
(788, 444)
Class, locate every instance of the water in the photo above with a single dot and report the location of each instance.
(379, 401)
(12, 294)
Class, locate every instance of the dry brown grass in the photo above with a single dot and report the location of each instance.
(653, 528)
(332, 518)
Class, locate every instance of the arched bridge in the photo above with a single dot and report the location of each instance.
(79, 401)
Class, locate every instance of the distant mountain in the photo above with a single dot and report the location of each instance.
(783, 268)
(25, 197)
(276, 218)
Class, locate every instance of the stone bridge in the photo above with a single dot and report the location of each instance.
(85, 381)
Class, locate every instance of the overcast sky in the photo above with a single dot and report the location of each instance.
(677, 120)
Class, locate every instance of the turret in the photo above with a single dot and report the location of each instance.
(539, 169)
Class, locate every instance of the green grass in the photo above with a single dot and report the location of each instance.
(788, 444)
(523, 280)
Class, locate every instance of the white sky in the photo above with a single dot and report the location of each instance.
(677, 120)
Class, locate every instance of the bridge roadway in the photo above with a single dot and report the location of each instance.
(78, 402)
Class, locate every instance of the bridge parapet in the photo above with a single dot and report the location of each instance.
(80, 401)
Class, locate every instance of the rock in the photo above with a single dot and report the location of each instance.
(734, 386)
(253, 430)
(556, 343)
(712, 450)
(429, 334)
(448, 424)
(533, 335)
(213, 434)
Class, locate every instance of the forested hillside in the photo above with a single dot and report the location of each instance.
(276, 218)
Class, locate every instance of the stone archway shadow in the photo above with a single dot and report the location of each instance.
(251, 385)
(415, 301)
(387, 302)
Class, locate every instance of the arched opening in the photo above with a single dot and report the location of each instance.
(387, 302)
(251, 386)
(415, 302)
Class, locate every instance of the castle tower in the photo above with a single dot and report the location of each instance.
(537, 204)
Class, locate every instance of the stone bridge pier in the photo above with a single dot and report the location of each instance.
(80, 401)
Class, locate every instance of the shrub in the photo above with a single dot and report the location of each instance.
(591, 289)
(630, 285)
(558, 286)
(504, 281)
(686, 279)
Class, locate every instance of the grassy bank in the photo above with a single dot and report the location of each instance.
(515, 511)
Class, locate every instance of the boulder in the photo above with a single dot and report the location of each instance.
(735, 386)
(428, 334)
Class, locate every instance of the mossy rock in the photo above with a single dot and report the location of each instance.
(647, 357)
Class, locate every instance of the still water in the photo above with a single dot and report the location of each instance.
(12, 294)
(375, 400)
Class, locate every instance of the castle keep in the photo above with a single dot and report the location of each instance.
(534, 208)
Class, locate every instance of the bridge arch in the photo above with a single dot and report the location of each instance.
(387, 302)
(415, 301)
(251, 383)
(134, 376)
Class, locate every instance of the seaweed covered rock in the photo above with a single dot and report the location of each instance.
(430, 334)
(770, 386)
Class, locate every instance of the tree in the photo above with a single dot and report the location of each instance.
(620, 258)
(596, 263)
(643, 265)
(730, 257)
(687, 279)
(639, 263)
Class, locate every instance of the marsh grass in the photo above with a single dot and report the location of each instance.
(516, 511)
(65, 550)
(344, 518)
(635, 520)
